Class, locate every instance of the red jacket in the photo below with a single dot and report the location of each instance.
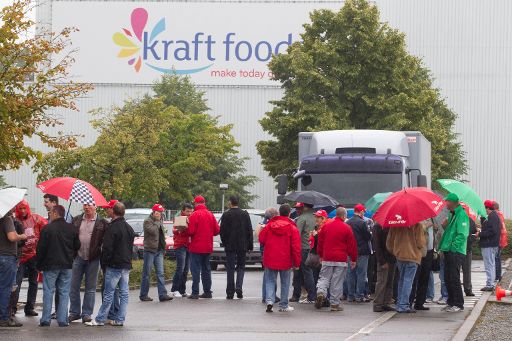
(336, 241)
(504, 233)
(202, 226)
(32, 225)
(181, 239)
(282, 244)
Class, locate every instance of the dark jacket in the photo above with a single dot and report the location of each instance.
(471, 236)
(97, 235)
(57, 247)
(236, 230)
(362, 234)
(19, 230)
(380, 237)
(491, 231)
(118, 245)
(154, 236)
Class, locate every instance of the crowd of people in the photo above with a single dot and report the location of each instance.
(328, 260)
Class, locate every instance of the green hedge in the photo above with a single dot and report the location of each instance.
(136, 273)
(507, 251)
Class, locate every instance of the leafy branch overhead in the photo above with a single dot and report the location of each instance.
(163, 147)
(351, 71)
(34, 80)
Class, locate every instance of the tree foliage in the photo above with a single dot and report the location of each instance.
(33, 80)
(162, 148)
(350, 71)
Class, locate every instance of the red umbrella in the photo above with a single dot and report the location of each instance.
(408, 207)
(73, 189)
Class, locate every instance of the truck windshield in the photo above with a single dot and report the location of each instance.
(350, 189)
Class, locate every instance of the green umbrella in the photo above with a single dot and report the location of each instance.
(374, 202)
(465, 194)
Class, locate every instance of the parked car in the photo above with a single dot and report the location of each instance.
(138, 242)
(251, 258)
(133, 214)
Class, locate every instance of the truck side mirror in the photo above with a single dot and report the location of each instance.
(306, 180)
(280, 199)
(282, 184)
(421, 181)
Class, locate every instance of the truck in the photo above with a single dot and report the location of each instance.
(353, 165)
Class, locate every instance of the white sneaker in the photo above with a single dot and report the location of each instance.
(454, 309)
(177, 294)
(446, 307)
(93, 323)
(441, 301)
(306, 301)
(286, 310)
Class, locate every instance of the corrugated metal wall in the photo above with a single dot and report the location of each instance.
(467, 44)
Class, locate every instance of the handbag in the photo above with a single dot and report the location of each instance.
(313, 260)
(436, 266)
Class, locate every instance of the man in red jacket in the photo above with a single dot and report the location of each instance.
(202, 226)
(336, 242)
(282, 243)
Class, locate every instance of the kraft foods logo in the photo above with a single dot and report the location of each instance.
(398, 220)
(141, 47)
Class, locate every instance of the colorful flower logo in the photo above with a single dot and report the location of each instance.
(128, 39)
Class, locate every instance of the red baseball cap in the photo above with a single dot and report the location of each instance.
(489, 204)
(359, 208)
(110, 204)
(199, 199)
(299, 205)
(158, 208)
(321, 213)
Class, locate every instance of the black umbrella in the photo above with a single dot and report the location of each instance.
(312, 198)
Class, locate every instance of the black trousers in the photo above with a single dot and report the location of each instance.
(452, 264)
(27, 269)
(421, 279)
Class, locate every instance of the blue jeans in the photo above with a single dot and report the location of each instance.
(431, 286)
(59, 280)
(444, 290)
(305, 278)
(179, 281)
(201, 271)
(489, 256)
(157, 260)
(357, 279)
(407, 272)
(113, 278)
(114, 308)
(235, 260)
(270, 278)
(90, 269)
(7, 277)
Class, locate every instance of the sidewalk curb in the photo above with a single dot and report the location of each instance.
(469, 323)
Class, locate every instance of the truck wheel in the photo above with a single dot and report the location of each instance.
(214, 266)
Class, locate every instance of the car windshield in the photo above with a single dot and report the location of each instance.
(350, 189)
(135, 216)
(137, 226)
(255, 220)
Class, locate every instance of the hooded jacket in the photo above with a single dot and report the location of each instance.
(202, 226)
(282, 244)
(97, 235)
(154, 236)
(32, 225)
(456, 233)
(336, 242)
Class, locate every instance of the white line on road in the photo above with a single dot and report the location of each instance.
(372, 325)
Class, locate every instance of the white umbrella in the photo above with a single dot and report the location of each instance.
(10, 197)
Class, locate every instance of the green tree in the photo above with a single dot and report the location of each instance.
(351, 71)
(33, 80)
(152, 149)
(2, 182)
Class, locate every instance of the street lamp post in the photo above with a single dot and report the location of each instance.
(223, 188)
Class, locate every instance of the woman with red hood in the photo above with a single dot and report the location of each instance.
(32, 225)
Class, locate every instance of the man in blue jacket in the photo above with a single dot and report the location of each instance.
(489, 243)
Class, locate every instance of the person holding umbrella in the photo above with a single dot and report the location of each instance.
(453, 245)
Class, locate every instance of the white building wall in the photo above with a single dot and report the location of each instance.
(467, 44)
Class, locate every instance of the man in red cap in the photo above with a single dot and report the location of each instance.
(109, 208)
(489, 243)
(154, 248)
(202, 226)
(357, 276)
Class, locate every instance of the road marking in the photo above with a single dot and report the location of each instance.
(372, 325)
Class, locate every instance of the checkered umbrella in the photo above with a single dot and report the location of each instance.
(73, 189)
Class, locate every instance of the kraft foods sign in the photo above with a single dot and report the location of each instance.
(215, 43)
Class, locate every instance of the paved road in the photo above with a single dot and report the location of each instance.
(246, 320)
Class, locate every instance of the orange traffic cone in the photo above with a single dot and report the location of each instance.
(500, 293)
